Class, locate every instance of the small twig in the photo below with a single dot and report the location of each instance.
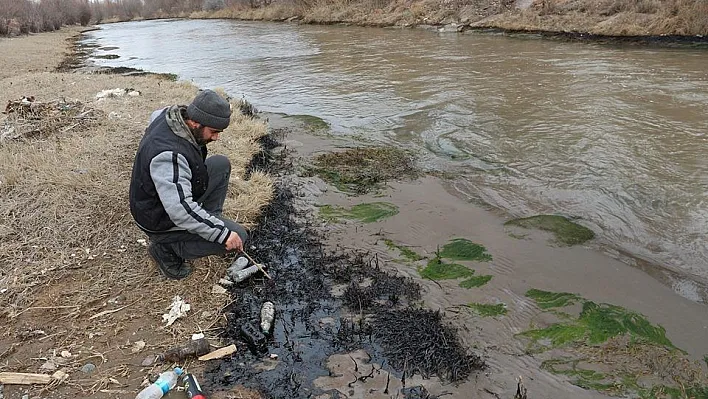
(105, 312)
(258, 265)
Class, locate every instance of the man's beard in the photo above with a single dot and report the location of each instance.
(198, 134)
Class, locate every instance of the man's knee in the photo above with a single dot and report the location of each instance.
(218, 164)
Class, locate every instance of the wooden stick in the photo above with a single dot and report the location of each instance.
(258, 265)
(24, 378)
(219, 353)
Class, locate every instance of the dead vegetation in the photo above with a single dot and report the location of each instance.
(364, 169)
(76, 276)
(26, 118)
(608, 17)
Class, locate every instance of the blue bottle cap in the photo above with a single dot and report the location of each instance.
(178, 371)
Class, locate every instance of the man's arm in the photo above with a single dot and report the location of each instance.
(172, 177)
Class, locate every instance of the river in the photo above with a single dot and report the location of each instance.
(613, 135)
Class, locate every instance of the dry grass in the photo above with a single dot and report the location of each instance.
(605, 17)
(69, 247)
(609, 17)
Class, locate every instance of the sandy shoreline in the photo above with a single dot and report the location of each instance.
(429, 216)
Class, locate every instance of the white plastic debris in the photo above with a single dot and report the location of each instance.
(142, 242)
(218, 290)
(108, 93)
(65, 354)
(197, 336)
(178, 308)
(267, 316)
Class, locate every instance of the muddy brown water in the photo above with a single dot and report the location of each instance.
(613, 135)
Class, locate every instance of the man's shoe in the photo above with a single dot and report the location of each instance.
(170, 265)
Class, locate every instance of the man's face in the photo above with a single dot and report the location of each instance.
(205, 134)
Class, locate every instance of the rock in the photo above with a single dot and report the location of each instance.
(49, 365)
(148, 361)
(60, 375)
(88, 368)
(138, 346)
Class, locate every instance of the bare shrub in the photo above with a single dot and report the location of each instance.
(85, 14)
(213, 5)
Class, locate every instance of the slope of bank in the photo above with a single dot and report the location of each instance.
(79, 298)
(680, 18)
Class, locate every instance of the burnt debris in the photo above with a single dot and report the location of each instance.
(326, 303)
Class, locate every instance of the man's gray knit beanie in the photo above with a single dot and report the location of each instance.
(210, 109)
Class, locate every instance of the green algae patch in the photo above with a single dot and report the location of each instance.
(565, 231)
(366, 213)
(364, 169)
(596, 324)
(312, 123)
(613, 350)
(488, 310)
(548, 300)
(438, 270)
(464, 249)
(475, 281)
(406, 252)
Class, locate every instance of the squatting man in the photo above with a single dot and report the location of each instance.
(176, 193)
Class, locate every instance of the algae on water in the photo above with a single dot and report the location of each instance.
(488, 310)
(596, 324)
(365, 213)
(406, 252)
(547, 300)
(475, 281)
(364, 169)
(623, 343)
(565, 231)
(312, 123)
(464, 249)
(439, 270)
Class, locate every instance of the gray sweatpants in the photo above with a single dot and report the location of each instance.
(190, 246)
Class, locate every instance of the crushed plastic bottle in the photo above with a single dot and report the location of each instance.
(164, 383)
(241, 275)
(267, 316)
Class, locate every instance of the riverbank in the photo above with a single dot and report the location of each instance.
(657, 22)
(79, 297)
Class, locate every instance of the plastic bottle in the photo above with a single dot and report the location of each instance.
(241, 275)
(191, 387)
(267, 316)
(164, 383)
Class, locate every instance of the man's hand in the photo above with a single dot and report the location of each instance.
(234, 242)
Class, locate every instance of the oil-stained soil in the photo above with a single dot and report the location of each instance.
(330, 305)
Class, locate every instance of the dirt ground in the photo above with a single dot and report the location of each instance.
(78, 294)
